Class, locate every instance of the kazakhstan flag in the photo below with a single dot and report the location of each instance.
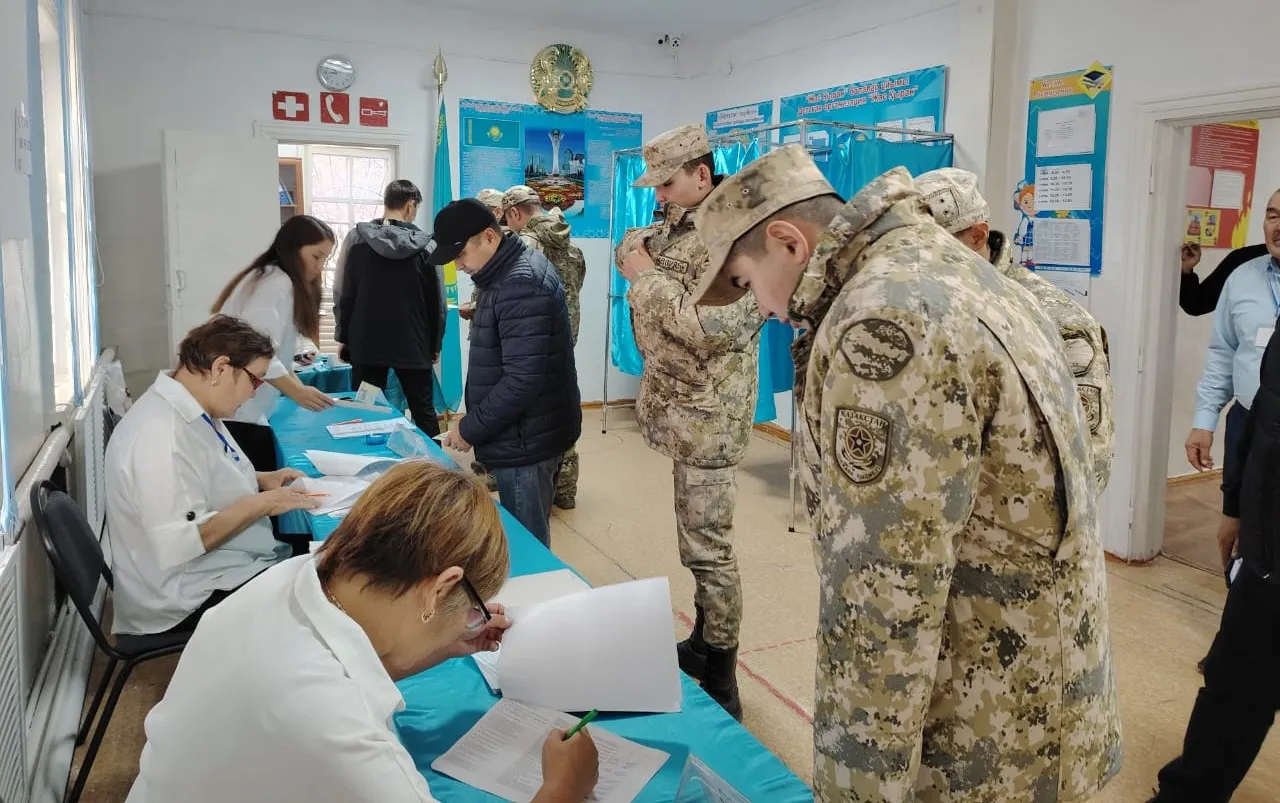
(448, 387)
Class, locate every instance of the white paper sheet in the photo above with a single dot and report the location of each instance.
(1228, 190)
(609, 648)
(1065, 132)
(339, 464)
(1074, 283)
(1064, 187)
(502, 755)
(366, 428)
(356, 405)
(342, 492)
(1062, 241)
(521, 592)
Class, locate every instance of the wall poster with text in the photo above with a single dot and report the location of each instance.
(740, 118)
(912, 100)
(1224, 161)
(567, 158)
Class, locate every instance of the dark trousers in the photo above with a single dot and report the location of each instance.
(1234, 710)
(259, 445)
(189, 624)
(418, 389)
(1236, 418)
(526, 492)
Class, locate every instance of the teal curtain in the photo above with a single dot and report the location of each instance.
(854, 160)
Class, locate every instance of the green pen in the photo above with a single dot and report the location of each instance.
(582, 723)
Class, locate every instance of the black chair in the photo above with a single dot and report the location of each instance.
(79, 565)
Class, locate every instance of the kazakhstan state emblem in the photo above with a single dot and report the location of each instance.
(561, 79)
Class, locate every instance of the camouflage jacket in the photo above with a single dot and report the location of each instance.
(698, 391)
(963, 650)
(548, 234)
(1085, 343)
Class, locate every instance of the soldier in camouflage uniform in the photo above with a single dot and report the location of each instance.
(697, 395)
(963, 652)
(548, 234)
(953, 197)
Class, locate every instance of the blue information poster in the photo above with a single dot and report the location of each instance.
(740, 118)
(567, 158)
(1060, 199)
(914, 100)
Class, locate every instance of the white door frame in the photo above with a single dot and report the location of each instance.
(352, 136)
(1156, 192)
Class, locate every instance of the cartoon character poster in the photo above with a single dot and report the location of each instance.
(1024, 203)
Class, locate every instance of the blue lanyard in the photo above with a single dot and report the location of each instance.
(226, 445)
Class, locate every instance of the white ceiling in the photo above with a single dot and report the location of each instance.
(696, 20)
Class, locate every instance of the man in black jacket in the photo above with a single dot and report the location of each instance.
(1199, 296)
(523, 406)
(1240, 697)
(390, 304)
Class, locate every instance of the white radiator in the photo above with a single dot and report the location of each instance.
(13, 720)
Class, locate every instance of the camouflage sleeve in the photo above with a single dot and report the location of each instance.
(659, 299)
(1090, 362)
(631, 239)
(531, 242)
(900, 438)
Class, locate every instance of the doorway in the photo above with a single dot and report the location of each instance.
(341, 185)
(1158, 201)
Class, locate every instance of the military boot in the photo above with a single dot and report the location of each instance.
(692, 652)
(721, 680)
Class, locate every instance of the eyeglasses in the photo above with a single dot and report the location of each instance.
(478, 617)
(254, 379)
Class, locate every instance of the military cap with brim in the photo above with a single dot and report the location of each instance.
(764, 187)
(454, 225)
(519, 194)
(665, 154)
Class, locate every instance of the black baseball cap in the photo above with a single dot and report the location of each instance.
(454, 225)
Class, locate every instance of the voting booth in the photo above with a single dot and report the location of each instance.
(849, 156)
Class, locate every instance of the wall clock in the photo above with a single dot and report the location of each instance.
(336, 74)
(561, 79)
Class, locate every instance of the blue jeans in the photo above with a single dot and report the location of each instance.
(526, 492)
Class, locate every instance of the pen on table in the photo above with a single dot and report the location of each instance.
(350, 421)
(317, 494)
(582, 723)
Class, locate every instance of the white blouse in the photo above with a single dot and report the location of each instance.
(279, 697)
(170, 469)
(265, 302)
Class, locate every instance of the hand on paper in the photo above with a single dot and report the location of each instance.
(1199, 449)
(1190, 256)
(570, 769)
(270, 480)
(636, 263)
(314, 399)
(453, 438)
(283, 500)
(305, 358)
(486, 640)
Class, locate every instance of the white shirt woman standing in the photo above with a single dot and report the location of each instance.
(186, 511)
(286, 691)
(279, 294)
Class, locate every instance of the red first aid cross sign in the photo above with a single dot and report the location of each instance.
(293, 107)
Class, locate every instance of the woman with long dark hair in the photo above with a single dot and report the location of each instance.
(279, 294)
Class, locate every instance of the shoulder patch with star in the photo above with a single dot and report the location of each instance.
(861, 444)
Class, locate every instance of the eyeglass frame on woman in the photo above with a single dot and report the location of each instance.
(477, 604)
(254, 379)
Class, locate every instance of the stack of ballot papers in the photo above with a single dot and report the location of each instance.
(340, 493)
(574, 648)
(346, 476)
(340, 464)
(502, 755)
(361, 428)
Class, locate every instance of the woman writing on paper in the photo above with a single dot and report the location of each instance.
(186, 511)
(286, 692)
(279, 294)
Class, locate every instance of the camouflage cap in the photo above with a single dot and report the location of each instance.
(667, 153)
(519, 194)
(953, 198)
(490, 197)
(771, 183)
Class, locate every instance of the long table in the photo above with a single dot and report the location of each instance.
(444, 702)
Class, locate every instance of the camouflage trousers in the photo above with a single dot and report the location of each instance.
(705, 500)
(567, 478)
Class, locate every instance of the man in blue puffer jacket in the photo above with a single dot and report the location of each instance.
(523, 405)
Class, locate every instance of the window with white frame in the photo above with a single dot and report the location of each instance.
(84, 285)
(57, 205)
(343, 187)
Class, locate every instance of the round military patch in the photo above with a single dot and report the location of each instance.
(861, 444)
(876, 349)
(1091, 400)
(1080, 353)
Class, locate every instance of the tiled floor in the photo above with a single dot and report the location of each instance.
(1192, 512)
(1163, 616)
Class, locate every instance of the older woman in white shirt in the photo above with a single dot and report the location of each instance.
(279, 294)
(186, 511)
(286, 691)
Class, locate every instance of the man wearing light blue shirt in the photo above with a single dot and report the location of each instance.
(1243, 323)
